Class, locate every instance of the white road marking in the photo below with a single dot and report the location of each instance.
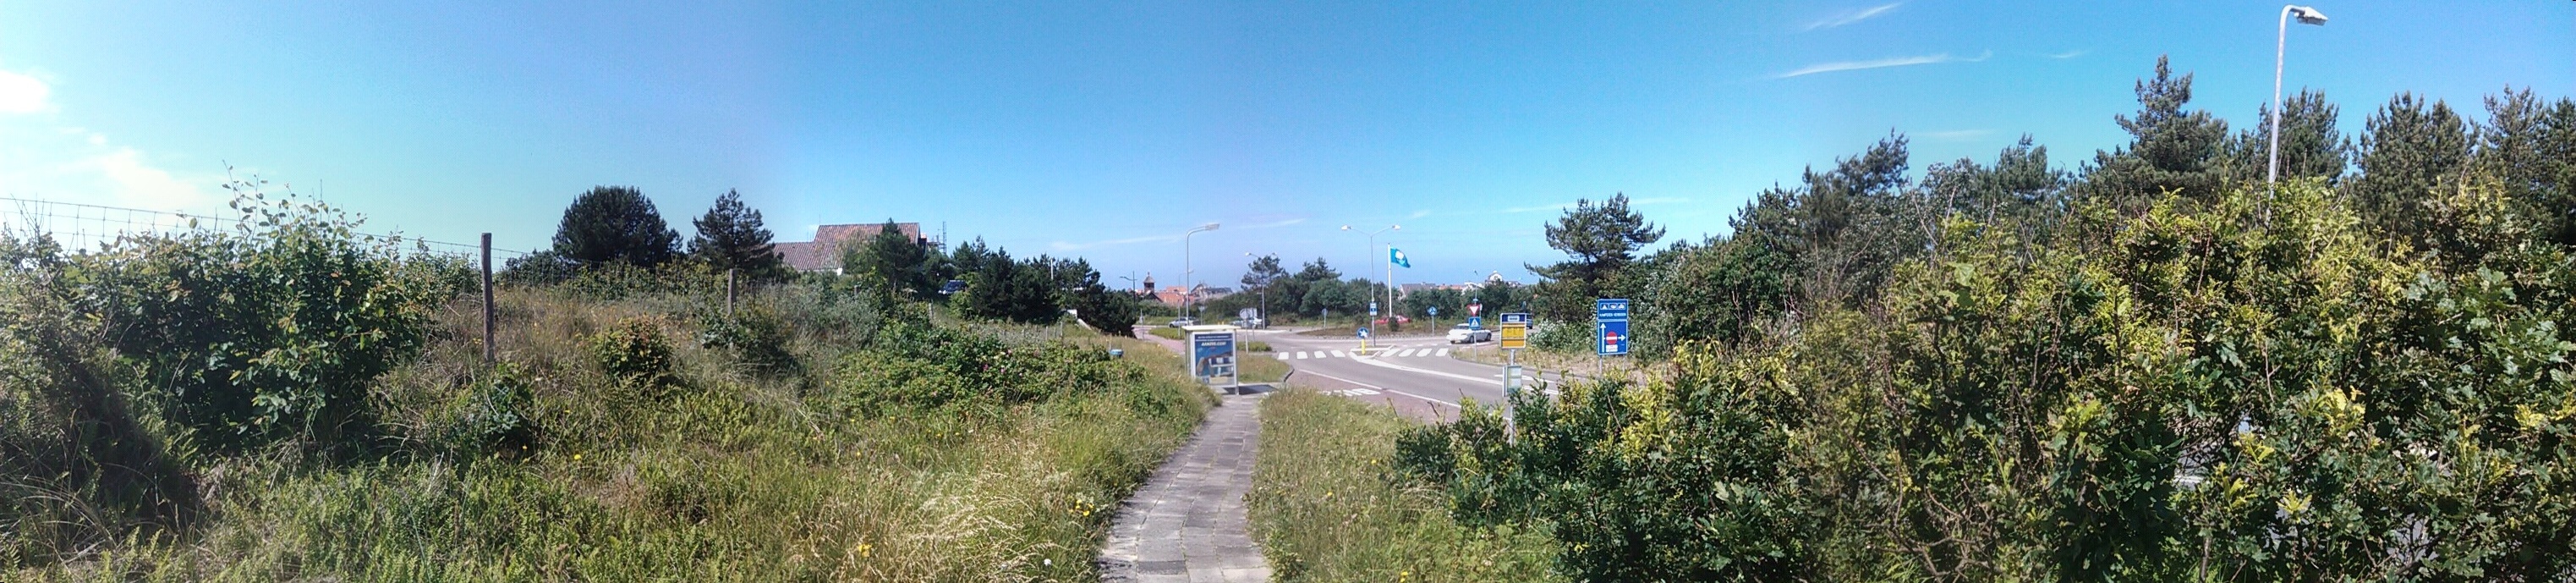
(1383, 389)
(1337, 354)
(1443, 352)
(1301, 355)
(1353, 392)
(1431, 372)
(1401, 353)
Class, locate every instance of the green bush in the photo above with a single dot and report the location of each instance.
(269, 330)
(2244, 387)
(635, 353)
(755, 335)
(491, 415)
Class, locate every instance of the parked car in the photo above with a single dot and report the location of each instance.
(1469, 334)
(1183, 322)
(1255, 323)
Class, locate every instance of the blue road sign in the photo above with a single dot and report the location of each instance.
(1372, 309)
(1516, 318)
(1475, 321)
(1610, 317)
(1435, 310)
(1363, 333)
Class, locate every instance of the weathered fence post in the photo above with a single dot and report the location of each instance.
(729, 293)
(487, 298)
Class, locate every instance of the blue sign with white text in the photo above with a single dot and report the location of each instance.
(1516, 318)
(1611, 322)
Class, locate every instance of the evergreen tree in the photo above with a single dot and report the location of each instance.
(2529, 146)
(1844, 228)
(2311, 147)
(2171, 150)
(2410, 147)
(894, 258)
(615, 223)
(730, 236)
(1600, 240)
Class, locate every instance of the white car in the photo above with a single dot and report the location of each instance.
(1466, 334)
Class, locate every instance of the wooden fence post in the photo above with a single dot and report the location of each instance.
(729, 293)
(487, 298)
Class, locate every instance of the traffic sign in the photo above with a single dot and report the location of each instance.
(1610, 317)
(1472, 309)
(1363, 333)
(1516, 318)
(1515, 336)
(1372, 309)
(1435, 310)
(1474, 322)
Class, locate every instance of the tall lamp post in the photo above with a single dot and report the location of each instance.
(1189, 289)
(1390, 265)
(2280, 49)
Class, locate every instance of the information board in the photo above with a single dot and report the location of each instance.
(1515, 336)
(1212, 355)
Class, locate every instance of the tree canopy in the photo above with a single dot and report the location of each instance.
(730, 236)
(615, 223)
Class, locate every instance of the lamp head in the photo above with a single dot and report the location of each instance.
(1209, 226)
(1346, 227)
(2308, 15)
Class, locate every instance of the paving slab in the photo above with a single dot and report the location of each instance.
(1187, 524)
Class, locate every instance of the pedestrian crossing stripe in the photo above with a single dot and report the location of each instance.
(1443, 352)
(1337, 354)
(1353, 392)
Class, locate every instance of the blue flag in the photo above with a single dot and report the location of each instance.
(1396, 256)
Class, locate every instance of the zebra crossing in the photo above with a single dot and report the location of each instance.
(1397, 352)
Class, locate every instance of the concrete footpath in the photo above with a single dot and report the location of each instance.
(1187, 524)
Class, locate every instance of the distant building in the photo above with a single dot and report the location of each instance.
(824, 252)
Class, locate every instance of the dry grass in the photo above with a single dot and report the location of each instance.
(1327, 506)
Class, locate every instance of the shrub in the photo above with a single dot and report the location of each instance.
(755, 336)
(635, 353)
(491, 415)
(269, 330)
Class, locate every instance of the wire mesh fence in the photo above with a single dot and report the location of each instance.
(88, 228)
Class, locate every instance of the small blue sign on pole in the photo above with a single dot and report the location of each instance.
(1516, 318)
(1363, 333)
(1435, 310)
(1475, 322)
(1610, 317)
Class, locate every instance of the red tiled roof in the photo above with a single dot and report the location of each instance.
(824, 252)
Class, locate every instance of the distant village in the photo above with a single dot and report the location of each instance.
(824, 254)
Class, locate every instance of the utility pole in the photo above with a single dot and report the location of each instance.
(2280, 51)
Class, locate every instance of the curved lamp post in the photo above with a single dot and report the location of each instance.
(2280, 49)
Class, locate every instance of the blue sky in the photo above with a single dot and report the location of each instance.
(1104, 130)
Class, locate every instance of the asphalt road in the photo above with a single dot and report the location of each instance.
(1415, 375)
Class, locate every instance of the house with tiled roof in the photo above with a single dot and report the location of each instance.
(824, 252)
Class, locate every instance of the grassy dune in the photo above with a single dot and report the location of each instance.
(730, 475)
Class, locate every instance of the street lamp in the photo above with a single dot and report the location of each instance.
(2280, 49)
(1390, 265)
(1189, 289)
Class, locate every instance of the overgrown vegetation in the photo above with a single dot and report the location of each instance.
(1328, 505)
(2158, 368)
(293, 401)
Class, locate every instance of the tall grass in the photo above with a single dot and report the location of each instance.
(1328, 506)
(732, 473)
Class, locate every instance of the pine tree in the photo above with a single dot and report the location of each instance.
(2409, 147)
(2311, 147)
(1600, 240)
(730, 236)
(615, 223)
(894, 258)
(2171, 149)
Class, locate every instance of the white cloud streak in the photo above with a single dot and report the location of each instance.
(1882, 64)
(1173, 238)
(1852, 16)
(21, 94)
(2069, 54)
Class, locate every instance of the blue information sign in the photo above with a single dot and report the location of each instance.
(1610, 317)
(1213, 354)
(1475, 322)
(1516, 318)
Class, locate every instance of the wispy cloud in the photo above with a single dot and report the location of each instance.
(1070, 246)
(1882, 63)
(1171, 238)
(1851, 16)
(1419, 214)
(1956, 134)
(2069, 54)
(66, 161)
